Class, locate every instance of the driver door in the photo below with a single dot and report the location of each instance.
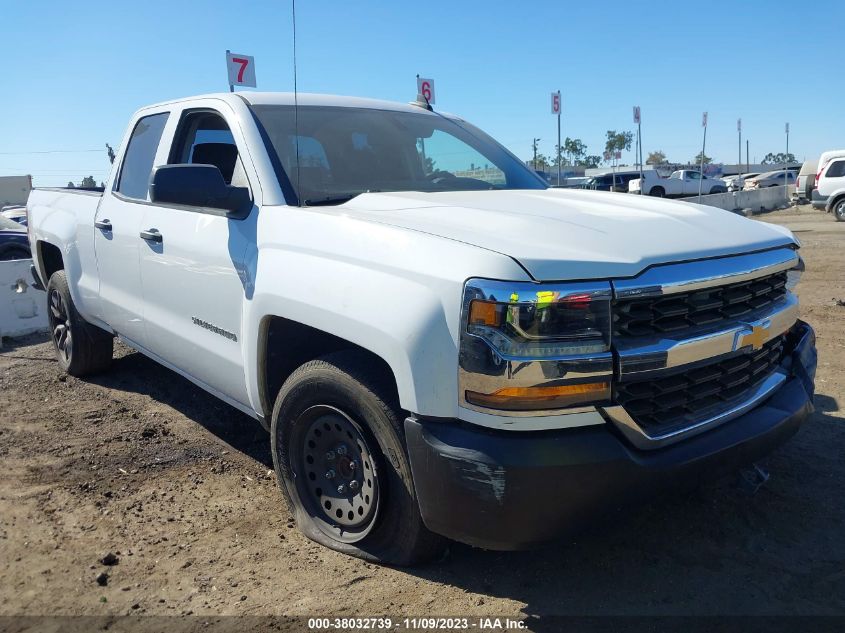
(692, 179)
(195, 274)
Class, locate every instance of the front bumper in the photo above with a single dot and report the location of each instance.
(512, 490)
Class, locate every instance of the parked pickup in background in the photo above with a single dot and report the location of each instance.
(683, 182)
(434, 355)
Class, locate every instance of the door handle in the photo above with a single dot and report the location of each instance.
(151, 235)
(103, 225)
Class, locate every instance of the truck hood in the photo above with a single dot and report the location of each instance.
(560, 234)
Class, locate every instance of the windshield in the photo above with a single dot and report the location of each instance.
(347, 151)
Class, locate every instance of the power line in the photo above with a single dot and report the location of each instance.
(51, 151)
(61, 170)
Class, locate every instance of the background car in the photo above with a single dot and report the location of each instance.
(737, 181)
(611, 182)
(14, 240)
(770, 179)
(805, 182)
(16, 213)
(830, 193)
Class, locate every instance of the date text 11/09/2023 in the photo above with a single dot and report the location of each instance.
(416, 624)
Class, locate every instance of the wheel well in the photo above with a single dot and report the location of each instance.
(285, 345)
(51, 259)
(836, 201)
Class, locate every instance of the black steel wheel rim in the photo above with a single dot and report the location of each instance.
(335, 472)
(60, 326)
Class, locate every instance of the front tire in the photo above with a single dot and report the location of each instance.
(339, 453)
(81, 348)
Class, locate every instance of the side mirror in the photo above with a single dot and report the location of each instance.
(198, 186)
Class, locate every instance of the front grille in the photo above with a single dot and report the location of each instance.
(679, 400)
(672, 313)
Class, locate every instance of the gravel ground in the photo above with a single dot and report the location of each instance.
(140, 464)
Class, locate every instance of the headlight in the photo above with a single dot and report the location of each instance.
(542, 322)
(530, 347)
(793, 276)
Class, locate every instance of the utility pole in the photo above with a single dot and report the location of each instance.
(786, 164)
(703, 146)
(638, 121)
(739, 131)
(747, 163)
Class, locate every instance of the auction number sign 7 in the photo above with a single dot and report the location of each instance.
(241, 69)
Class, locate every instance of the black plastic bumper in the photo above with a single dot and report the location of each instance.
(817, 200)
(512, 490)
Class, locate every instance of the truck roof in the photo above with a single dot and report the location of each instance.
(303, 98)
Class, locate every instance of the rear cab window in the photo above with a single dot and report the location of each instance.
(136, 169)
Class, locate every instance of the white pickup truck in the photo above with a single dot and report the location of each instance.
(480, 358)
(683, 182)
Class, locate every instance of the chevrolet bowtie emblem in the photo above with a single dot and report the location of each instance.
(756, 338)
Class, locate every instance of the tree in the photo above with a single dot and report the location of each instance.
(575, 149)
(589, 161)
(778, 159)
(618, 141)
(656, 157)
(88, 181)
(541, 163)
(70, 185)
(697, 159)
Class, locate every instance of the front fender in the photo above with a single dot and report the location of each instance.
(393, 292)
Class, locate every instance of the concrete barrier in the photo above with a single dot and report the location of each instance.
(23, 309)
(758, 200)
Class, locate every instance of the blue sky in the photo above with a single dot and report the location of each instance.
(75, 72)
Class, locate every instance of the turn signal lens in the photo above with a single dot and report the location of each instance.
(543, 397)
(485, 313)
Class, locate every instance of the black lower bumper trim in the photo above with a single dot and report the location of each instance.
(512, 490)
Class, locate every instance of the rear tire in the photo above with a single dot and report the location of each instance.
(657, 192)
(335, 422)
(81, 348)
(839, 210)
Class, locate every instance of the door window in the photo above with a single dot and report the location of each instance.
(134, 181)
(836, 169)
(204, 138)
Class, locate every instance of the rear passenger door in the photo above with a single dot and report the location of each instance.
(196, 276)
(117, 226)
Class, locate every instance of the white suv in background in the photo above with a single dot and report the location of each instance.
(830, 188)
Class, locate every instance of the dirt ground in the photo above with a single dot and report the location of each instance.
(142, 464)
